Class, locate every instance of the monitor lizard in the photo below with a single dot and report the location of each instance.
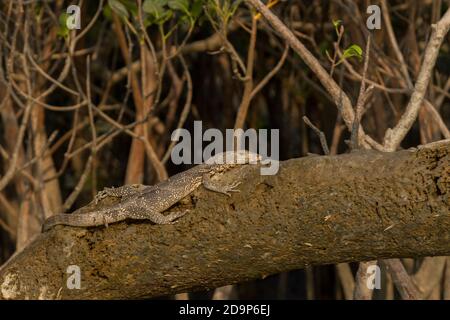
(142, 202)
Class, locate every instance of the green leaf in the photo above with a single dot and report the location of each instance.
(38, 10)
(118, 8)
(196, 8)
(166, 16)
(353, 51)
(63, 31)
(235, 5)
(181, 5)
(107, 13)
(154, 7)
(337, 24)
(63, 19)
(131, 6)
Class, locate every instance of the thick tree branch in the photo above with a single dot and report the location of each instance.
(316, 210)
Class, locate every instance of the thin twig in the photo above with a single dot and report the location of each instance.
(248, 86)
(323, 139)
(340, 98)
(271, 74)
(363, 96)
(394, 136)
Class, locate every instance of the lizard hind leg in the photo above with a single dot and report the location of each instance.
(159, 218)
(173, 217)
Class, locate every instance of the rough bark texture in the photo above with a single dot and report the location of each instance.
(316, 210)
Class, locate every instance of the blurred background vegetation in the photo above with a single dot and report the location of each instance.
(92, 108)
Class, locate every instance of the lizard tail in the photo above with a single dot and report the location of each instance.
(76, 220)
(54, 220)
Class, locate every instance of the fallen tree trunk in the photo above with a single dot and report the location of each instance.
(316, 210)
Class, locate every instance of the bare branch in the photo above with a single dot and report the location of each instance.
(394, 136)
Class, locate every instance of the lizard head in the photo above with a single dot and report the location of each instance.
(235, 157)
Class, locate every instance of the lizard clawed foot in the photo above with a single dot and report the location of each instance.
(230, 188)
(173, 217)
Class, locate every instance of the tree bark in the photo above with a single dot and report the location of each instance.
(317, 210)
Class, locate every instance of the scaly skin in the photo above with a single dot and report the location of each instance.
(148, 202)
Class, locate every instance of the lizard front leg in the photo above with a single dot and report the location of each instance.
(216, 186)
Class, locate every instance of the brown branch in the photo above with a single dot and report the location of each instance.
(362, 291)
(447, 280)
(394, 43)
(394, 136)
(248, 81)
(271, 74)
(346, 279)
(9, 174)
(340, 98)
(429, 275)
(322, 138)
(402, 281)
(79, 187)
(138, 146)
(186, 108)
(362, 98)
(274, 225)
(135, 165)
(437, 118)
